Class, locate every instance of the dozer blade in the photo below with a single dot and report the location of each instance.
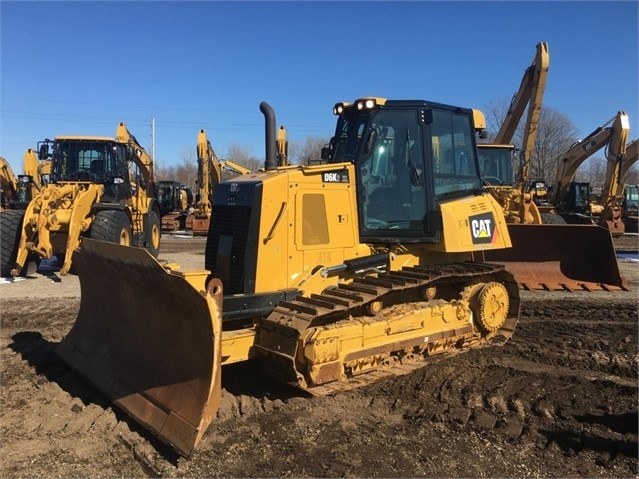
(556, 257)
(149, 340)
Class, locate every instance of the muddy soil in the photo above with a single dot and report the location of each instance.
(557, 400)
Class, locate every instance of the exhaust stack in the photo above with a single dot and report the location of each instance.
(270, 162)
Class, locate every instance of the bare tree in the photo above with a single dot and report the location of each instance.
(555, 134)
(163, 172)
(186, 171)
(308, 152)
(243, 156)
(495, 113)
(632, 177)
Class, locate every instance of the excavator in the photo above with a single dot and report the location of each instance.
(175, 200)
(630, 202)
(90, 194)
(571, 199)
(330, 276)
(209, 174)
(547, 254)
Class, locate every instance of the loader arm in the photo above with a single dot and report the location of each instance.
(140, 157)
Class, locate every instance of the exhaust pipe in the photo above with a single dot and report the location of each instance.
(270, 162)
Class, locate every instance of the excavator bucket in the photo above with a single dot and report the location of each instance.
(159, 361)
(560, 257)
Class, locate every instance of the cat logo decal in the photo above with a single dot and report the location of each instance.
(482, 228)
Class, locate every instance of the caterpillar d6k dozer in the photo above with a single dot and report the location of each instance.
(331, 276)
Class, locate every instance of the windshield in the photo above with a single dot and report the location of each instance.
(495, 163)
(391, 173)
(455, 169)
(348, 135)
(97, 161)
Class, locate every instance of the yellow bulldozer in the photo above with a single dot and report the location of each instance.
(331, 275)
(91, 193)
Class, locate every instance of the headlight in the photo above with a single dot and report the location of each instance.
(338, 109)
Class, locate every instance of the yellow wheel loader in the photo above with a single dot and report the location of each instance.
(547, 253)
(332, 275)
(90, 194)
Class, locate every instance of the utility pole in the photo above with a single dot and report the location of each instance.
(153, 138)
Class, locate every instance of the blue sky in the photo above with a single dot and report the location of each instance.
(81, 67)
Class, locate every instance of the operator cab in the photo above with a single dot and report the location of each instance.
(409, 156)
(91, 160)
(496, 164)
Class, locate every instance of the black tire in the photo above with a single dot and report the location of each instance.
(111, 226)
(153, 234)
(552, 219)
(10, 227)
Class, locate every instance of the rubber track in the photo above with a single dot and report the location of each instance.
(291, 318)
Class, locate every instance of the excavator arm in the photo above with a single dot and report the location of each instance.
(209, 176)
(612, 192)
(584, 149)
(530, 94)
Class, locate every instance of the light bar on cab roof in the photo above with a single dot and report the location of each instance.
(366, 104)
(338, 109)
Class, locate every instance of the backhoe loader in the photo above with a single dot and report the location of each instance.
(331, 275)
(90, 194)
(547, 254)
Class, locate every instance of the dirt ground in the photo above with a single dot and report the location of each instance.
(557, 400)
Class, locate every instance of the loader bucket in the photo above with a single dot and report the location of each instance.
(149, 340)
(559, 257)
